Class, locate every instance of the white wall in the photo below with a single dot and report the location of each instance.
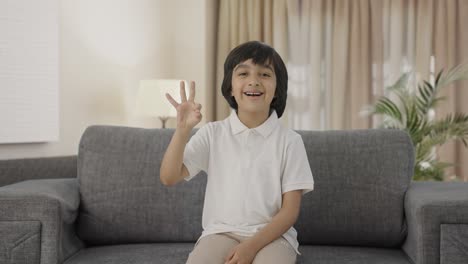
(107, 46)
(29, 73)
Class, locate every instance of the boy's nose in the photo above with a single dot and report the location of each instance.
(254, 83)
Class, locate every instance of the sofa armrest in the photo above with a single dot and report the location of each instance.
(437, 217)
(17, 170)
(39, 215)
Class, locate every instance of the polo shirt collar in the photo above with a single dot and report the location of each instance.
(264, 129)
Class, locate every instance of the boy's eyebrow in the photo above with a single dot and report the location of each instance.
(241, 65)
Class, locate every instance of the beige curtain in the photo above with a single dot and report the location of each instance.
(341, 54)
(330, 64)
(240, 21)
(450, 48)
(348, 51)
(353, 49)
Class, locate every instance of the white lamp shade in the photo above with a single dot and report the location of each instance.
(151, 97)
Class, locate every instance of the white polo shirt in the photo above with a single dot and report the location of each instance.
(248, 171)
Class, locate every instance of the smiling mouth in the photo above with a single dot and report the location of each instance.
(253, 93)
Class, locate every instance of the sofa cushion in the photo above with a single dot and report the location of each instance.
(161, 253)
(122, 198)
(177, 253)
(350, 255)
(361, 177)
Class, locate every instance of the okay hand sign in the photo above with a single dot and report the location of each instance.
(188, 112)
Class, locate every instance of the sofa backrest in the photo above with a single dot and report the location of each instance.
(122, 198)
(361, 177)
(360, 181)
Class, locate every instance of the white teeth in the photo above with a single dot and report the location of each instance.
(252, 94)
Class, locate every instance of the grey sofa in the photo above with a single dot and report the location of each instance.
(107, 205)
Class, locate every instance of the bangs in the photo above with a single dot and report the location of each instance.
(261, 57)
(260, 54)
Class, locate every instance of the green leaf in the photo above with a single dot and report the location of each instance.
(408, 112)
(438, 77)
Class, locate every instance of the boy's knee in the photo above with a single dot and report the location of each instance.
(211, 249)
(277, 252)
(270, 259)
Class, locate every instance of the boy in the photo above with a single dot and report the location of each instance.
(257, 170)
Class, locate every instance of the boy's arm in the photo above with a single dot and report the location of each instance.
(281, 222)
(172, 168)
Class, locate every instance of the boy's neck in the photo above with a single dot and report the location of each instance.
(252, 119)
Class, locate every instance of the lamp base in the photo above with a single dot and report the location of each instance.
(163, 120)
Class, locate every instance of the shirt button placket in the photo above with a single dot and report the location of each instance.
(245, 149)
(247, 170)
(250, 145)
(245, 167)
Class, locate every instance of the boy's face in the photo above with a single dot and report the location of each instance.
(253, 86)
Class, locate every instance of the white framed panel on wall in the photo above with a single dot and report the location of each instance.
(29, 71)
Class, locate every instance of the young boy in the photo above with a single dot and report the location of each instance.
(257, 169)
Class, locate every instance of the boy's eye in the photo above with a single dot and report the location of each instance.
(266, 75)
(242, 73)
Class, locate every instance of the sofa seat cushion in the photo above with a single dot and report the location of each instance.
(350, 255)
(177, 253)
(161, 253)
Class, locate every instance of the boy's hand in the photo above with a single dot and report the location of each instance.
(188, 112)
(241, 254)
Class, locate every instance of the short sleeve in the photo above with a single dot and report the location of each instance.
(196, 152)
(297, 174)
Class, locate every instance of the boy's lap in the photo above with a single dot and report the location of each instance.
(213, 249)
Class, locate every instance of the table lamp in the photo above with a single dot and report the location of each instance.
(152, 101)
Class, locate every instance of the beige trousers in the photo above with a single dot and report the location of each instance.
(212, 249)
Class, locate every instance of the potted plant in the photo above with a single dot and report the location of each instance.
(412, 108)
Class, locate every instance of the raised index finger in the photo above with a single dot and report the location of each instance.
(171, 100)
(192, 91)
